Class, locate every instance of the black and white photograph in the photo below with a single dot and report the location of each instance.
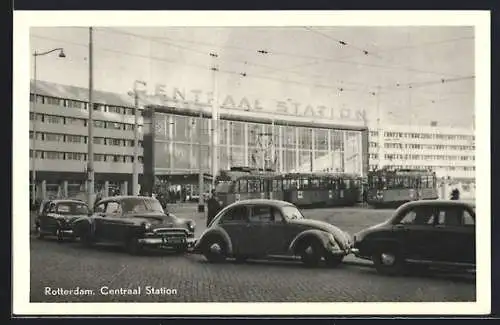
(311, 162)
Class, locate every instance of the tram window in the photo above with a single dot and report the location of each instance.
(253, 185)
(243, 186)
(407, 182)
(304, 183)
(314, 183)
(286, 184)
(323, 183)
(294, 184)
(347, 183)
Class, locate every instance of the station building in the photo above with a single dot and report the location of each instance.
(176, 131)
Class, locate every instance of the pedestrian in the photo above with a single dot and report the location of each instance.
(455, 194)
(213, 207)
(365, 196)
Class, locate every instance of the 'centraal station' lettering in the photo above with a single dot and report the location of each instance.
(288, 107)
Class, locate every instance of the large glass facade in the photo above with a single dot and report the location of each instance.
(284, 148)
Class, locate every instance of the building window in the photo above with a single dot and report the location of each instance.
(53, 155)
(99, 124)
(74, 138)
(52, 119)
(128, 159)
(99, 157)
(52, 101)
(98, 140)
(128, 127)
(116, 158)
(75, 156)
(128, 111)
(114, 142)
(115, 109)
(75, 121)
(114, 125)
(53, 137)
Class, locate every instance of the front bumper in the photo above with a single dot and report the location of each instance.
(165, 242)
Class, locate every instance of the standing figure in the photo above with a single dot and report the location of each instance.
(213, 208)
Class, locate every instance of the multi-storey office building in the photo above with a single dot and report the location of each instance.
(450, 152)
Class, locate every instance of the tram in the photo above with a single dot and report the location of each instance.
(301, 189)
(392, 188)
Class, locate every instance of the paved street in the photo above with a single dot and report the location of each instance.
(69, 265)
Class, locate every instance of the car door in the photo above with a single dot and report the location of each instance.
(112, 222)
(271, 231)
(416, 234)
(235, 223)
(456, 240)
(98, 217)
(49, 221)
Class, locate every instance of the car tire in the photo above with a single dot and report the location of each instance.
(133, 247)
(333, 260)
(38, 232)
(388, 261)
(310, 252)
(214, 250)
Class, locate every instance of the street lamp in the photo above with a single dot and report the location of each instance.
(33, 169)
(135, 170)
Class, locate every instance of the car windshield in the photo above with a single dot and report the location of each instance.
(72, 208)
(292, 213)
(138, 205)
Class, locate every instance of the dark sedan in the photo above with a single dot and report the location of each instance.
(438, 233)
(137, 222)
(55, 218)
(271, 228)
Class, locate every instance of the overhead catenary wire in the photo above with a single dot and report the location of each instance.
(366, 90)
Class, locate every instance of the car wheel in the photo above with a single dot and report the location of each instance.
(388, 262)
(38, 232)
(133, 246)
(214, 250)
(333, 260)
(310, 253)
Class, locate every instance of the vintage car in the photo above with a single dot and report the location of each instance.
(137, 222)
(260, 228)
(55, 218)
(424, 234)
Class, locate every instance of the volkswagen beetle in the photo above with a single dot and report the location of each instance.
(270, 228)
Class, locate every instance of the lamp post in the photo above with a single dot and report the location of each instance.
(135, 166)
(33, 169)
(201, 204)
(90, 124)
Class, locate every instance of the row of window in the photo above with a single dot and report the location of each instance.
(423, 157)
(409, 135)
(425, 181)
(81, 105)
(447, 168)
(57, 155)
(59, 137)
(424, 146)
(56, 119)
(258, 185)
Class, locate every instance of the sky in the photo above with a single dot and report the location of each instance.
(404, 75)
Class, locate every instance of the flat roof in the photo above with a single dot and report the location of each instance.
(276, 119)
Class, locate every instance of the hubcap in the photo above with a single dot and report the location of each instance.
(309, 250)
(387, 258)
(215, 248)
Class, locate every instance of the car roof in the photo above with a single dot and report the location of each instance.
(277, 203)
(438, 203)
(56, 201)
(124, 197)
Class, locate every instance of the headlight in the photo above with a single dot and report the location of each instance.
(147, 226)
(191, 225)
